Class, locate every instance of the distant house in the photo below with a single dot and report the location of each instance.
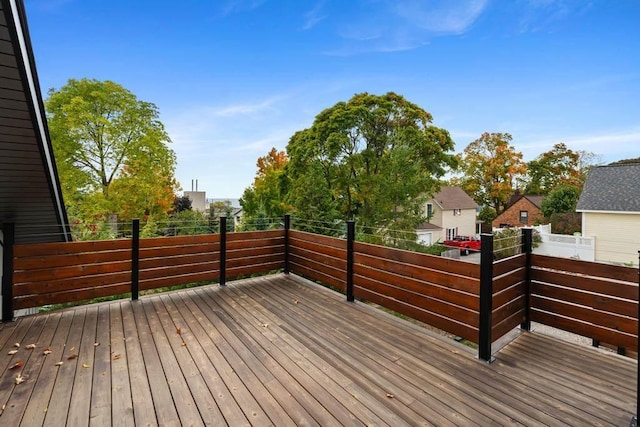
(610, 208)
(522, 211)
(451, 213)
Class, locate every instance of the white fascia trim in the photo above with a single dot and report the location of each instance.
(608, 212)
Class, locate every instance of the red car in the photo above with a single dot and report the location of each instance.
(465, 243)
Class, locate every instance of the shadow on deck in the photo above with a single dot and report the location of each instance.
(279, 350)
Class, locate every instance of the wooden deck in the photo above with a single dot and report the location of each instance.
(281, 351)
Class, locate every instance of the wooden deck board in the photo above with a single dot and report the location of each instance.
(279, 350)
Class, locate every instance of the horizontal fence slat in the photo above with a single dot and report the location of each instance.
(47, 275)
(432, 305)
(448, 265)
(509, 294)
(509, 279)
(327, 270)
(429, 290)
(318, 239)
(320, 250)
(507, 265)
(184, 269)
(242, 271)
(262, 259)
(428, 275)
(507, 310)
(247, 244)
(255, 252)
(149, 263)
(586, 268)
(337, 263)
(75, 295)
(585, 314)
(60, 285)
(64, 248)
(72, 259)
(586, 329)
(255, 235)
(212, 248)
(582, 282)
(179, 280)
(446, 324)
(597, 301)
(505, 326)
(163, 242)
(316, 275)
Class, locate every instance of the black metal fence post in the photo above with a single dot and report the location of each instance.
(527, 247)
(223, 250)
(135, 259)
(351, 236)
(486, 297)
(287, 226)
(8, 240)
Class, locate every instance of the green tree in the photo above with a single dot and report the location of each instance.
(268, 192)
(372, 158)
(218, 209)
(109, 145)
(490, 166)
(563, 198)
(560, 165)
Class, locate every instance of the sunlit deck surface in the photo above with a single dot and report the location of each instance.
(279, 350)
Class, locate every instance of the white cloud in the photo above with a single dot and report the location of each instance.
(236, 6)
(611, 146)
(391, 26)
(441, 16)
(314, 16)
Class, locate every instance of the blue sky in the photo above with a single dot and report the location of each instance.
(233, 78)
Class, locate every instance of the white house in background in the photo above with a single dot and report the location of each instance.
(610, 208)
(198, 200)
(451, 213)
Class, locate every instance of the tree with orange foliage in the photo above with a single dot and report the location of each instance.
(265, 197)
(490, 166)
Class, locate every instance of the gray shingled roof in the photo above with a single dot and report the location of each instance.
(611, 188)
(454, 198)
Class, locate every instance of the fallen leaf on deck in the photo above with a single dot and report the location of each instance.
(72, 348)
(17, 345)
(59, 363)
(116, 356)
(183, 343)
(264, 325)
(95, 344)
(19, 379)
(179, 331)
(84, 365)
(30, 347)
(46, 352)
(73, 356)
(390, 396)
(18, 364)
(12, 352)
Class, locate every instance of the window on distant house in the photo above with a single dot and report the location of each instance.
(524, 217)
(457, 212)
(451, 233)
(429, 210)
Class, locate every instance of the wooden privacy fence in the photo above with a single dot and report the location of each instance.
(54, 273)
(587, 298)
(480, 303)
(439, 291)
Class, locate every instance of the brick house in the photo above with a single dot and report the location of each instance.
(523, 210)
